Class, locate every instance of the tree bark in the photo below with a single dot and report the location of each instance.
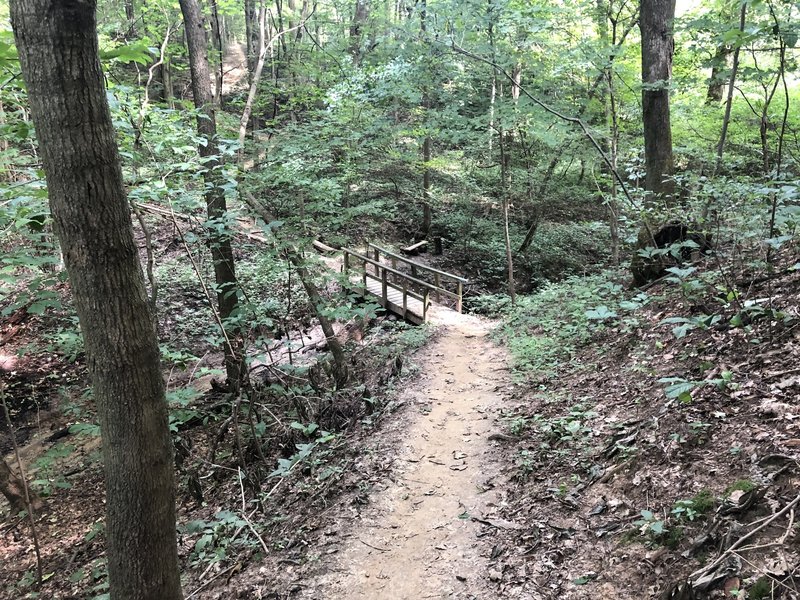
(360, 15)
(219, 48)
(219, 237)
(58, 52)
(12, 488)
(655, 22)
(716, 82)
(250, 20)
(130, 14)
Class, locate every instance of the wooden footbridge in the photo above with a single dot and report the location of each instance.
(401, 285)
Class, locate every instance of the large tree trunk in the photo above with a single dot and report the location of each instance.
(58, 53)
(655, 22)
(219, 236)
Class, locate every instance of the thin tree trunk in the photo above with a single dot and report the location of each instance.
(130, 15)
(58, 53)
(317, 304)
(250, 19)
(505, 191)
(731, 87)
(360, 14)
(256, 78)
(166, 82)
(219, 236)
(492, 100)
(609, 185)
(427, 216)
(219, 47)
(427, 211)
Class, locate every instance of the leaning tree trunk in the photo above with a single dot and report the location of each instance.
(655, 22)
(58, 53)
(219, 237)
(731, 87)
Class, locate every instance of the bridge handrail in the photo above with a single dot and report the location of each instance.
(410, 262)
(381, 274)
(387, 268)
(437, 274)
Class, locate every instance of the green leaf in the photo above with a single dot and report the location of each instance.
(682, 273)
(195, 526)
(679, 388)
(137, 52)
(657, 527)
(600, 313)
(77, 576)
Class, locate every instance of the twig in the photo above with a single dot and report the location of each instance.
(760, 570)
(23, 478)
(207, 583)
(148, 243)
(246, 518)
(374, 547)
(789, 507)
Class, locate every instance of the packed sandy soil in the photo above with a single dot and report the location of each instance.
(424, 534)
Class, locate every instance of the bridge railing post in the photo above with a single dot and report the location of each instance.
(426, 299)
(385, 285)
(459, 301)
(405, 298)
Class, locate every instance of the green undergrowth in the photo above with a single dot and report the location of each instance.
(544, 329)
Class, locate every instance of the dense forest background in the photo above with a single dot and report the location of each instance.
(633, 217)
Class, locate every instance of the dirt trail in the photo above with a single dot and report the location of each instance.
(417, 538)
